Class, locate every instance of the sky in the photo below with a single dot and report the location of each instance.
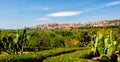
(17, 14)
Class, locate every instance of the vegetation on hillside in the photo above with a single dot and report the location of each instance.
(103, 41)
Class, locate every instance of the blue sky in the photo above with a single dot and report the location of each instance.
(15, 14)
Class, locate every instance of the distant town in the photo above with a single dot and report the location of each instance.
(103, 23)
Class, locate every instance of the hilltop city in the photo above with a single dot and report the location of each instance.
(102, 23)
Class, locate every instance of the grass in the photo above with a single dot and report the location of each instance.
(37, 56)
(3, 57)
(77, 56)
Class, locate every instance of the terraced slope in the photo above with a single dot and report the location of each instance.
(76, 56)
(37, 56)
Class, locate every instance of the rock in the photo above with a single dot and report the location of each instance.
(95, 58)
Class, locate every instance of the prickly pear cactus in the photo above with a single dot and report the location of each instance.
(101, 50)
(107, 42)
(11, 44)
(111, 50)
(99, 43)
(115, 43)
(104, 58)
(112, 37)
(106, 45)
(96, 42)
(17, 37)
(4, 42)
(112, 45)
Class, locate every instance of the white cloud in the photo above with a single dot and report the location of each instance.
(113, 3)
(37, 8)
(43, 18)
(64, 13)
(45, 8)
(90, 9)
(104, 6)
(59, 14)
(73, 13)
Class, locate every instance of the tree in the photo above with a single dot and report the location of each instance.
(84, 37)
(58, 41)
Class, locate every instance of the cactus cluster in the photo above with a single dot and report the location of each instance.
(13, 45)
(8, 44)
(104, 45)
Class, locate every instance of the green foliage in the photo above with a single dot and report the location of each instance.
(39, 39)
(106, 46)
(111, 50)
(99, 41)
(35, 57)
(100, 50)
(53, 38)
(107, 42)
(104, 58)
(73, 43)
(84, 37)
(112, 37)
(57, 42)
(79, 44)
(102, 40)
(11, 44)
(76, 56)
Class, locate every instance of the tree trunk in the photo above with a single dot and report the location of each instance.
(0, 50)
